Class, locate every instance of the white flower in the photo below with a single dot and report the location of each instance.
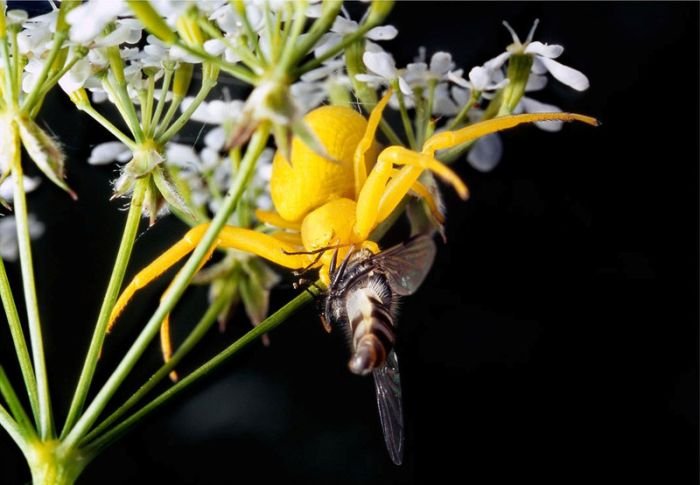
(7, 187)
(544, 56)
(481, 78)
(9, 250)
(382, 71)
(343, 26)
(109, 152)
(89, 19)
(215, 112)
(35, 37)
(315, 85)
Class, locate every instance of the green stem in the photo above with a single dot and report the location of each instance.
(252, 36)
(267, 325)
(207, 86)
(115, 281)
(247, 57)
(195, 336)
(172, 109)
(177, 288)
(390, 133)
(55, 78)
(318, 28)
(462, 115)
(239, 72)
(13, 429)
(32, 305)
(335, 50)
(147, 104)
(16, 408)
(405, 119)
(9, 91)
(41, 84)
(164, 88)
(126, 108)
(20, 342)
(107, 125)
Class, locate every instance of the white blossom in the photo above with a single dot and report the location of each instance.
(89, 19)
(543, 55)
(7, 187)
(111, 151)
(9, 249)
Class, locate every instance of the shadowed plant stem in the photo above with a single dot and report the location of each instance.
(268, 324)
(115, 282)
(20, 342)
(29, 287)
(179, 284)
(195, 336)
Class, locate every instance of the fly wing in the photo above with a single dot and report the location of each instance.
(406, 265)
(387, 383)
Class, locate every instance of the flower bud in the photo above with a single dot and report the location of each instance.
(144, 11)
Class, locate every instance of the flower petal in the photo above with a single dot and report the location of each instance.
(535, 83)
(479, 77)
(107, 152)
(498, 61)
(441, 63)
(383, 32)
(566, 75)
(381, 63)
(545, 50)
(486, 153)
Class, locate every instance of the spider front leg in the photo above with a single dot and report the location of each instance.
(450, 139)
(385, 187)
(263, 245)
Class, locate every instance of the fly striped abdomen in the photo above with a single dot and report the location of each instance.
(371, 328)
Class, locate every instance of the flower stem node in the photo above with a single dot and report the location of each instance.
(161, 192)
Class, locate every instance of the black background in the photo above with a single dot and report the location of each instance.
(555, 339)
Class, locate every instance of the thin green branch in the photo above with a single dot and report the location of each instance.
(16, 408)
(179, 284)
(195, 336)
(462, 115)
(207, 86)
(267, 325)
(405, 119)
(115, 282)
(9, 91)
(164, 88)
(246, 55)
(13, 429)
(32, 305)
(107, 125)
(55, 77)
(20, 342)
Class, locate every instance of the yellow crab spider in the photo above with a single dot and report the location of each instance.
(322, 203)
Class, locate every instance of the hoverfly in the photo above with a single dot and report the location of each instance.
(362, 300)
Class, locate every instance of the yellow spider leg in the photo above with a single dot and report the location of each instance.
(449, 139)
(246, 240)
(399, 185)
(359, 161)
(274, 219)
(166, 345)
(292, 238)
(377, 197)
